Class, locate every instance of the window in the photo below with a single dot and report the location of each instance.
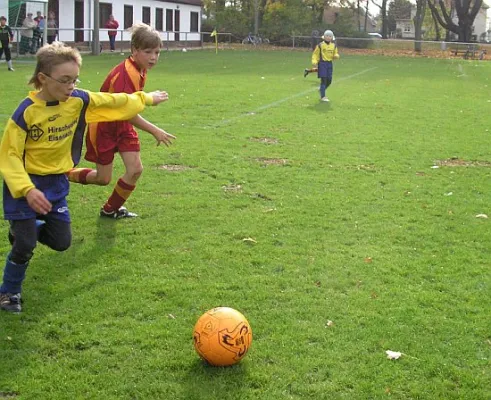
(194, 21)
(407, 28)
(146, 15)
(128, 17)
(169, 27)
(105, 10)
(159, 19)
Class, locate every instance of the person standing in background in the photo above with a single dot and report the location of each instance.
(6, 36)
(52, 27)
(27, 34)
(38, 33)
(112, 25)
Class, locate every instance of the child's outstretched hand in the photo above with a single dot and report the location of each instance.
(163, 137)
(159, 97)
(38, 202)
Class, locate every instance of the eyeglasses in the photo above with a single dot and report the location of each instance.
(66, 82)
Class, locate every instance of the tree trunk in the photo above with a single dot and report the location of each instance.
(383, 13)
(385, 22)
(418, 24)
(466, 14)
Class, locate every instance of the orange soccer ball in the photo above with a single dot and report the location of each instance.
(222, 336)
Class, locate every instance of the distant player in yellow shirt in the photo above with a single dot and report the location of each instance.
(322, 59)
(43, 141)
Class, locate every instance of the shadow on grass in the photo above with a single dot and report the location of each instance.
(322, 107)
(204, 381)
(51, 277)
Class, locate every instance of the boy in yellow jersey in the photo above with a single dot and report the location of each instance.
(106, 139)
(322, 58)
(43, 141)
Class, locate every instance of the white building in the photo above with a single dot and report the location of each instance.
(405, 27)
(178, 20)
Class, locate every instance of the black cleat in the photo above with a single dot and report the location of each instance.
(305, 72)
(121, 213)
(10, 302)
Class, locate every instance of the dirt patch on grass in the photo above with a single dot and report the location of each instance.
(458, 162)
(174, 167)
(265, 140)
(232, 188)
(272, 161)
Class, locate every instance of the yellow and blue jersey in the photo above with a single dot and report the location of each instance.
(46, 138)
(324, 52)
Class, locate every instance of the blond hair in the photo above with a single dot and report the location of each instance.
(52, 55)
(144, 37)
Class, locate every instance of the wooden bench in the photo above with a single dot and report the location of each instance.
(469, 51)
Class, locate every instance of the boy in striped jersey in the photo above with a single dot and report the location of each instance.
(106, 139)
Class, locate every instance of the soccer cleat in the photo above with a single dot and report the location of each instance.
(10, 302)
(305, 72)
(121, 213)
(11, 69)
(325, 99)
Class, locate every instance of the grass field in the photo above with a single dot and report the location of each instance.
(361, 212)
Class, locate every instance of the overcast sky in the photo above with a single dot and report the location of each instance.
(374, 10)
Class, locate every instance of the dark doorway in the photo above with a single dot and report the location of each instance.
(79, 20)
(177, 24)
(105, 10)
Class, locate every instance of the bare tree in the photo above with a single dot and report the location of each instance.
(383, 14)
(466, 13)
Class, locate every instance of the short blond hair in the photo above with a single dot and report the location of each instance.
(52, 55)
(144, 37)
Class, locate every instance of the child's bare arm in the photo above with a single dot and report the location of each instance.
(160, 135)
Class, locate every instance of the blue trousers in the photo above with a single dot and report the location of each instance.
(324, 72)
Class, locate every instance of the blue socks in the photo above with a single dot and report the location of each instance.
(13, 276)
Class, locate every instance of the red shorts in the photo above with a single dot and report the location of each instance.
(104, 139)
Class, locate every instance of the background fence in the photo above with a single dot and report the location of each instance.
(180, 40)
(83, 40)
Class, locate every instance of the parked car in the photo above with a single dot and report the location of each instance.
(375, 35)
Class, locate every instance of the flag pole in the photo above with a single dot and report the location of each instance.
(215, 34)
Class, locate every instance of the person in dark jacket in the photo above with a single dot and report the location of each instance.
(6, 36)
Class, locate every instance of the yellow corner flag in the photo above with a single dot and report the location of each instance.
(214, 33)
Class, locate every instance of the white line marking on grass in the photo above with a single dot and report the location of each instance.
(277, 103)
(461, 70)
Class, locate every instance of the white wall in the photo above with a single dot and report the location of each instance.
(4, 8)
(67, 18)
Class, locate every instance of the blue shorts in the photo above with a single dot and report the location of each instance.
(324, 69)
(54, 187)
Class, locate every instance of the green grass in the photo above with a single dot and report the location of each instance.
(351, 222)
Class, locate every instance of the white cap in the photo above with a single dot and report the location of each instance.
(329, 33)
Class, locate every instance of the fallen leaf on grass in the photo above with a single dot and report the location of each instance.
(329, 323)
(393, 355)
(249, 240)
(482, 216)
(368, 260)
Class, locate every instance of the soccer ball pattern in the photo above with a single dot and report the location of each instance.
(222, 336)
